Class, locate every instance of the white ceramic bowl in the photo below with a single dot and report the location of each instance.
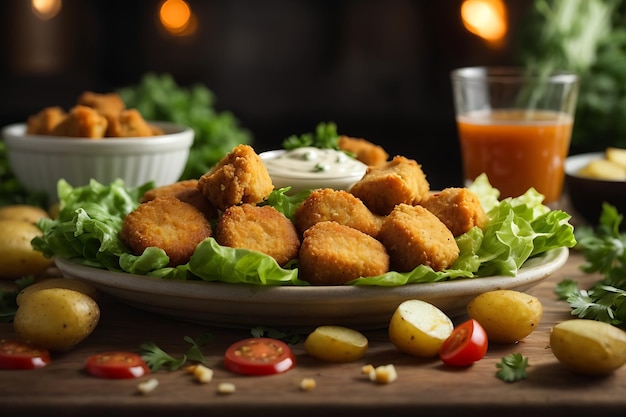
(308, 180)
(39, 162)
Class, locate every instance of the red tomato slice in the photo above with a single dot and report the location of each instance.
(116, 365)
(17, 354)
(259, 356)
(467, 344)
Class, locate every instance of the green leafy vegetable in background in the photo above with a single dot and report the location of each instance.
(86, 232)
(605, 253)
(589, 38)
(512, 368)
(159, 97)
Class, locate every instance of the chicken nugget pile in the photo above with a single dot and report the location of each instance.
(389, 220)
(95, 116)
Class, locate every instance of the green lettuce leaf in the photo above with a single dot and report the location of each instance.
(91, 217)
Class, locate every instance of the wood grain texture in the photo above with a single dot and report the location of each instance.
(423, 387)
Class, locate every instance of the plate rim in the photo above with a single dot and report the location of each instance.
(535, 269)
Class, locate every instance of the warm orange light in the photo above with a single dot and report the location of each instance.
(177, 18)
(46, 9)
(485, 18)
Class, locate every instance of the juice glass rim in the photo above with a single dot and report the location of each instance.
(512, 74)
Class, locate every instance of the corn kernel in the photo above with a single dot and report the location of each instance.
(307, 384)
(384, 374)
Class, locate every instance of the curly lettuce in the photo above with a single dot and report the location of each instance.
(86, 232)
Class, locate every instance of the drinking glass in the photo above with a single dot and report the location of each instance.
(515, 126)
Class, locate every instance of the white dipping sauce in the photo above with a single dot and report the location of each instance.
(309, 168)
(309, 162)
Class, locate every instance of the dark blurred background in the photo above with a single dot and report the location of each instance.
(379, 69)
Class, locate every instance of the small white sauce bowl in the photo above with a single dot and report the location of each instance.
(300, 181)
(40, 161)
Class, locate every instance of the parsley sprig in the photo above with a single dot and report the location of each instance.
(156, 358)
(604, 250)
(512, 368)
(325, 137)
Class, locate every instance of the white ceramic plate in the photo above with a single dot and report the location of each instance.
(243, 305)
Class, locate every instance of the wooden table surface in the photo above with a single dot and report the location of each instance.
(423, 387)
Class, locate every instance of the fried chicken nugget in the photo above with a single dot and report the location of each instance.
(108, 104)
(333, 254)
(166, 223)
(365, 151)
(186, 191)
(400, 180)
(259, 228)
(82, 122)
(44, 122)
(239, 177)
(339, 206)
(128, 123)
(414, 236)
(458, 208)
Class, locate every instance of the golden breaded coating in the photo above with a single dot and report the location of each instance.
(365, 151)
(186, 191)
(166, 223)
(44, 122)
(239, 177)
(333, 254)
(108, 104)
(414, 236)
(327, 204)
(400, 180)
(259, 228)
(458, 208)
(128, 124)
(82, 122)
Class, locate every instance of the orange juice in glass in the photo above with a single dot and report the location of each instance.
(515, 127)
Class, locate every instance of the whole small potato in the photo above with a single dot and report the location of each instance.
(17, 256)
(24, 212)
(506, 315)
(588, 347)
(69, 283)
(56, 318)
(336, 344)
(419, 328)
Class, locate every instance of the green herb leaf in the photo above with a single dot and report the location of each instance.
(156, 358)
(287, 337)
(325, 137)
(604, 250)
(512, 368)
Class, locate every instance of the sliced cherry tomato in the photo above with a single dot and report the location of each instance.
(18, 354)
(259, 356)
(467, 344)
(116, 365)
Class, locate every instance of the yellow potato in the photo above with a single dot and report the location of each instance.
(419, 328)
(336, 344)
(588, 347)
(30, 214)
(17, 256)
(603, 169)
(56, 318)
(69, 283)
(616, 155)
(506, 315)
